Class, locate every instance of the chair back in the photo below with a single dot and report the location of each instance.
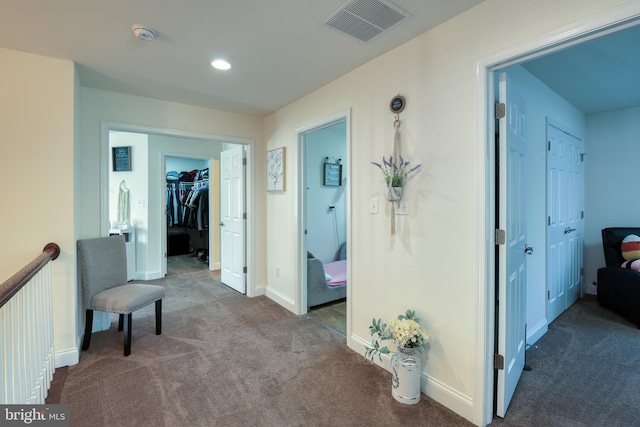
(612, 238)
(103, 264)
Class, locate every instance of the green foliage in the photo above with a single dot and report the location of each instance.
(396, 174)
(406, 331)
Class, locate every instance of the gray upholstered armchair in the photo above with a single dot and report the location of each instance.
(103, 271)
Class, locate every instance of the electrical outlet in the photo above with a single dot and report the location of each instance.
(402, 207)
(373, 205)
(277, 271)
(141, 203)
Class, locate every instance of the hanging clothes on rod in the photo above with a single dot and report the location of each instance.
(196, 204)
(188, 199)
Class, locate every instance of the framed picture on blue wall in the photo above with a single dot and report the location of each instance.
(332, 174)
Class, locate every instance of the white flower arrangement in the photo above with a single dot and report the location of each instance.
(405, 331)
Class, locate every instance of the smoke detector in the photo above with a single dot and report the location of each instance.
(143, 33)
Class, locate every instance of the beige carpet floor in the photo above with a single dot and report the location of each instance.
(227, 360)
(224, 359)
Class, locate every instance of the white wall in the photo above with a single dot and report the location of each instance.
(39, 163)
(423, 266)
(326, 229)
(613, 153)
(542, 103)
(137, 181)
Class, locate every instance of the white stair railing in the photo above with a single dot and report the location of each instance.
(27, 356)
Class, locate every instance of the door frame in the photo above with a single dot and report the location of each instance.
(344, 115)
(485, 264)
(250, 200)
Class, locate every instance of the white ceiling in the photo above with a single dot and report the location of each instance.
(279, 49)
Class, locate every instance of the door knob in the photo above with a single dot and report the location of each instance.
(221, 224)
(528, 249)
(569, 230)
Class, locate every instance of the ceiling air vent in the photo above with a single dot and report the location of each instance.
(366, 19)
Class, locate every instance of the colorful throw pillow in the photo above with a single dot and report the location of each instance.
(631, 252)
(631, 247)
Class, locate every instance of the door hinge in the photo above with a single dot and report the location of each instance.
(498, 361)
(244, 269)
(582, 271)
(548, 295)
(549, 146)
(581, 214)
(548, 220)
(501, 237)
(244, 215)
(244, 161)
(582, 157)
(501, 110)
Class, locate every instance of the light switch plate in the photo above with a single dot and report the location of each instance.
(373, 205)
(402, 208)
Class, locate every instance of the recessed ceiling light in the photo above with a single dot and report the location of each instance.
(220, 64)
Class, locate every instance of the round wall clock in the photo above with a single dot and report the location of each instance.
(397, 104)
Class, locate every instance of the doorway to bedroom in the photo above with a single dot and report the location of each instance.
(324, 201)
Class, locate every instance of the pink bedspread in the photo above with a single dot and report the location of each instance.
(338, 272)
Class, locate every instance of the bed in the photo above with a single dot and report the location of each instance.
(327, 282)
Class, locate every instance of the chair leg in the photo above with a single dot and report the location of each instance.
(88, 326)
(158, 317)
(127, 334)
(120, 322)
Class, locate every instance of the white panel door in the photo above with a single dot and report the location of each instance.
(232, 225)
(511, 256)
(564, 221)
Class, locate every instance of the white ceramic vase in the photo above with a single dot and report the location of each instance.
(406, 367)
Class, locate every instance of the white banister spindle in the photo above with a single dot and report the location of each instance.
(26, 345)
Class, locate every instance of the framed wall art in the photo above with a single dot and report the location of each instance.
(332, 174)
(121, 158)
(276, 170)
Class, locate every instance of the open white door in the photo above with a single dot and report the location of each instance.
(511, 254)
(564, 221)
(232, 225)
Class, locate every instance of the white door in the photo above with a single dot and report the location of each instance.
(232, 224)
(511, 255)
(564, 220)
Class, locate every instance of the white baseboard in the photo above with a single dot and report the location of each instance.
(148, 275)
(67, 357)
(447, 396)
(258, 291)
(536, 332)
(281, 299)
